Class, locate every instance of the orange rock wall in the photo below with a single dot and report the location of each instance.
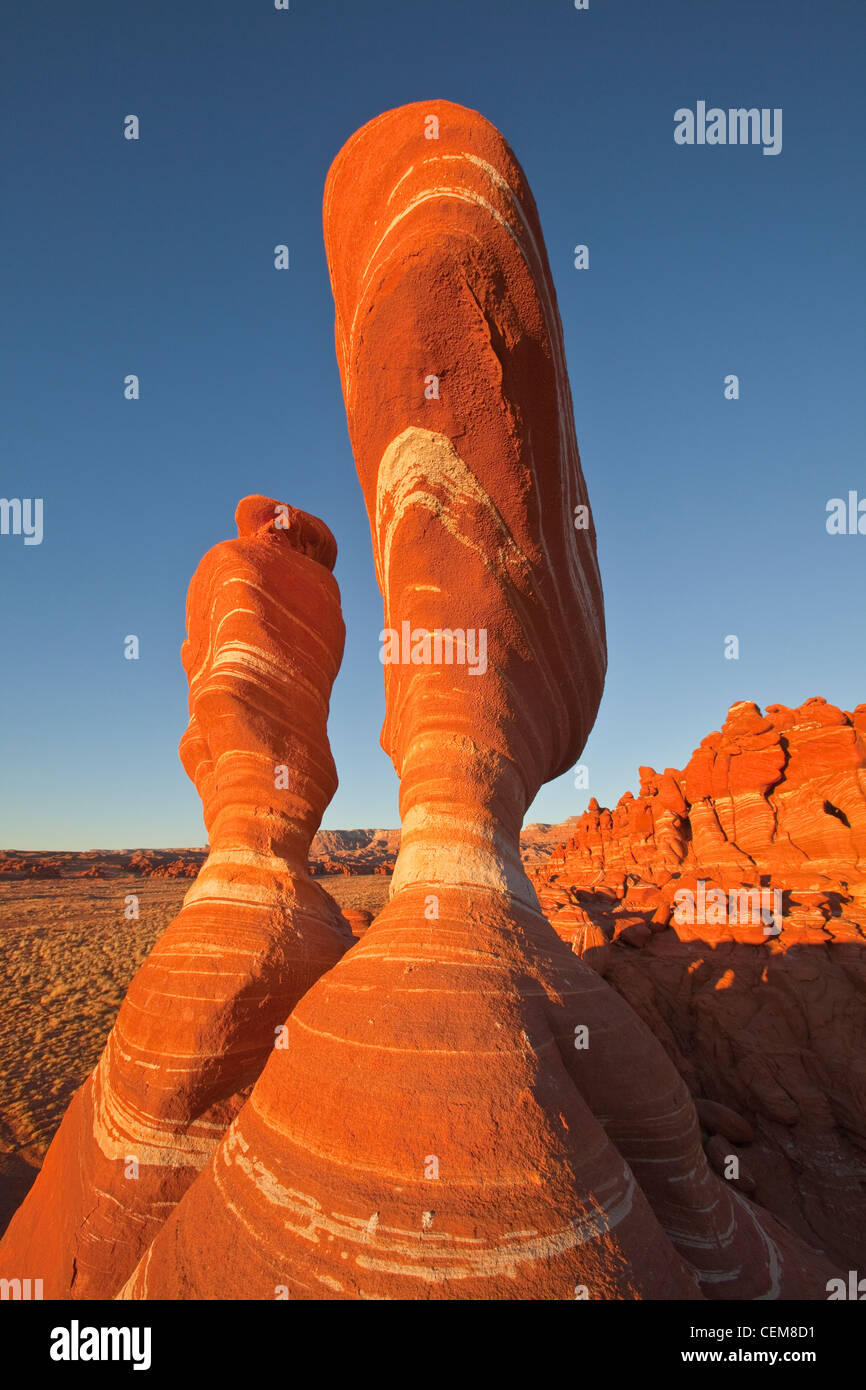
(766, 1017)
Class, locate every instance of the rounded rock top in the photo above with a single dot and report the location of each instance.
(257, 515)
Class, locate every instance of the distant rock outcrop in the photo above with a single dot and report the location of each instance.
(539, 840)
(353, 852)
(207, 1007)
(101, 864)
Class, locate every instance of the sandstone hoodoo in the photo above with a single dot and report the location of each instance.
(265, 640)
(465, 1109)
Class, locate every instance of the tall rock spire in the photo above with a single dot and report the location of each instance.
(207, 1007)
(465, 1109)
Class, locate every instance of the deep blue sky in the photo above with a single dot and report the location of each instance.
(156, 257)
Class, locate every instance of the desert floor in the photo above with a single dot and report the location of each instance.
(67, 955)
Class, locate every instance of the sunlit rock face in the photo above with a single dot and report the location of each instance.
(465, 1109)
(265, 640)
(773, 801)
(727, 904)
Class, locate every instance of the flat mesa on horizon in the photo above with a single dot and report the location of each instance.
(357, 852)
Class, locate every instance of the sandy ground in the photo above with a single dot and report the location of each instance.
(67, 955)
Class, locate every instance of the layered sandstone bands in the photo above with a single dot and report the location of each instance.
(439, 270)
(265, 639)
(465, 1109)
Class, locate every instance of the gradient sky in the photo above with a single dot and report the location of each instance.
(156, 257)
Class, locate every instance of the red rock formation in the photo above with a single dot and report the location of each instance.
(19, 866)
(354, 851)
(204, 1012)
(437, 1128)
(151, 865)
(332, 852)
(772, 1022)
(359, 919)
(775, 801)
(102, 864)
(538, 841)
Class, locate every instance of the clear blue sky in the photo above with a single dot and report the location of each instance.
(156, 257)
